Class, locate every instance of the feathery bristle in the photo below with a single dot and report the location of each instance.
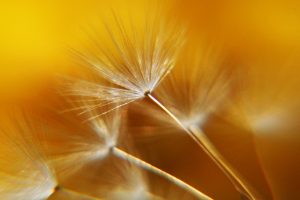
(23, 170)
(133, 61)
(108, 128)
(197, 86)
(94, 143)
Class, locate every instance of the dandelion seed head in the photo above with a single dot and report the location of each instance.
(69, 163)
(44, 189)
(107, 129)
(104, 132)
(131, 62)
(34, 186)
(197, 86)
(23, 170)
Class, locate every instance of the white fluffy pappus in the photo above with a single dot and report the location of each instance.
(91, 142)
(129, 63)
(24, 172)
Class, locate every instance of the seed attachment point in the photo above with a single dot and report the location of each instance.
(147, 93)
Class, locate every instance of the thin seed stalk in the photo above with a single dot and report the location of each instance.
(60, 189)
(201, 139)
(144, 165)
(228, 170)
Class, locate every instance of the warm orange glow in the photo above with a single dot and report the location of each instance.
(254, 125)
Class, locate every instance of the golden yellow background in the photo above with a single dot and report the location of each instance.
(34, 41)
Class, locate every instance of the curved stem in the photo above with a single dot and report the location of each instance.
(200, 138)
(132, 159)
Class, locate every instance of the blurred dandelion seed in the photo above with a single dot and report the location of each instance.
(108, 130)
(135, 67)
(24, 170)
(190, 94)
(201, 139)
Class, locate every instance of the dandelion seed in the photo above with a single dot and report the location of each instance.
(138, 63)
(266, 101)
(133, 63)
(107, 130)
(197, 87)
(92, 143)
(25, 173)
(113, 126)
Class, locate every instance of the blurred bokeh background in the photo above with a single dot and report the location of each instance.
(36, 36)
